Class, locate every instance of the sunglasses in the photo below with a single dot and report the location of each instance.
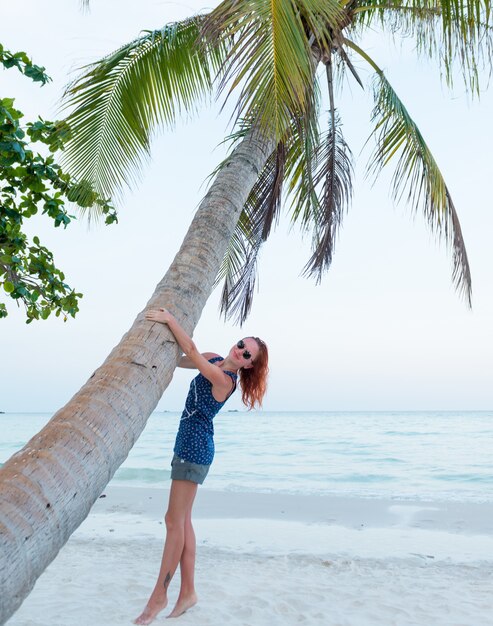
(246, 355)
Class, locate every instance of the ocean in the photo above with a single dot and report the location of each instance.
(427, 455)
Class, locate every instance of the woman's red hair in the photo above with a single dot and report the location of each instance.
(253, 381)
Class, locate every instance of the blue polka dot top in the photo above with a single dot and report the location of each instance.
(195, 438)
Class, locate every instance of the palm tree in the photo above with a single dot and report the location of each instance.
(269, 53)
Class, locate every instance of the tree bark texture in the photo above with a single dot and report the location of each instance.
(48, 488)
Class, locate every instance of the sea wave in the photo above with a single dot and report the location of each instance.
(146, 475)
(393, 455)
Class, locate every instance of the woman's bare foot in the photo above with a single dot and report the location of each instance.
(150, 612)
(183, 604)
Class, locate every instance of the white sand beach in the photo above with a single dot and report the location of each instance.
(278, 560)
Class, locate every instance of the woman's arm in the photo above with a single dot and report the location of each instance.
(186, 361)
(221, 382)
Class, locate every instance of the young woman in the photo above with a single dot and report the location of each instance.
(194, 449)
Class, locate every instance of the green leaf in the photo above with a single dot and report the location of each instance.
(416, 175)
(271, 61)
(32, 277)
(16, 147)
(458, 35)
(8, 103)
(36, 73)
(121, 100)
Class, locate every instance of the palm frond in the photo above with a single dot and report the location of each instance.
(304, 146)
(335, 174)
(458, 34)
(396, 15)
(240, 279)
(466, 39)
(239, 272)
(260, 213)
(416, 175)
(342, 61)
(335, 177)
(119, 101)
(271, 59)
(320, 183)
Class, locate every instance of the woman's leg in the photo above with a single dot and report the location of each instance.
(187, 597)
(181, 497)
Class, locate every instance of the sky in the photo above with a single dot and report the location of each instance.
(385, 330)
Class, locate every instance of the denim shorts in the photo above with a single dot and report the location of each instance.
(185, 470)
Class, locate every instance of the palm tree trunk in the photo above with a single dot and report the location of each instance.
(48, 488)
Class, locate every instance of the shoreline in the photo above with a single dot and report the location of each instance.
(348, 511)
(276, 560)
